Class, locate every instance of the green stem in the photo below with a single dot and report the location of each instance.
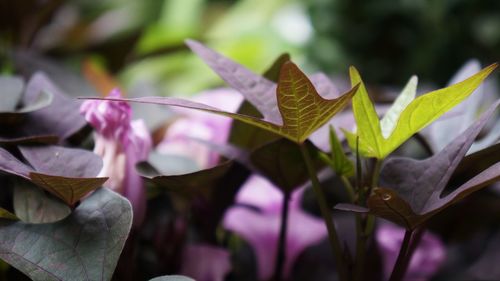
(376, 173)
(349, 188)
(326, 213)
(281, 255)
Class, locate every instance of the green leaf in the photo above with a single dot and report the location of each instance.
(418, 114)
(32, 205)
(302, 109)
(85, 245)
(390, 119)
(338, 161)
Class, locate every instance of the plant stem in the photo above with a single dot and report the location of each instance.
(376, 173)
(364, 224)
(403, 259)
(349, 189)
(326, 213)
(281, 255)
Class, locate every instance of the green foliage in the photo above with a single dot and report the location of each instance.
(415, 116)
(337, 160)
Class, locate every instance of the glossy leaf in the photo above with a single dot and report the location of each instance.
(303, 110)
(338, 160)
(412, 189)
(68, 173)
(84, 246)
(32, 205)
(418, 114)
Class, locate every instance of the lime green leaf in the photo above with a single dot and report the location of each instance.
(418, 114)
(338, 161)
(368, 125)
(390, 119)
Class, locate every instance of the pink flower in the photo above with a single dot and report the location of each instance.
(121, 143)
(205, 263)
(261, 228)
(426, 259)
(201, 125)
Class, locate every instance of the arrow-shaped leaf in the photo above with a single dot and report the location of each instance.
(302, 109)
(85, 245)
(412, 191)
(68, 173)
(418, 114)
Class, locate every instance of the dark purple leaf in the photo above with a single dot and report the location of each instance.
(259, 91)
(188, 184)
(16, 139)
(85, 245)
(412, 190)
(283, 164)
(61, 118)
(68, 173)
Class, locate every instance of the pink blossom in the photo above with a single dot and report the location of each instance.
(261, 228)
(426, 260)
(121, 143)
(201, 125)
(205, 263)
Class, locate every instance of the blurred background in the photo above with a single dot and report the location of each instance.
(140, 43)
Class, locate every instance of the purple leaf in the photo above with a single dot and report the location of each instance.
(188, 184)
(412, 189)
(258, 90)
(61, 118)
(85, 245)
(68, 173)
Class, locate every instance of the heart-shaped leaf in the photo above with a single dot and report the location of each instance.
(283, 164)
(32, 205)
(68, 173)
(303, 110)
(415, 116)
(85, 245)
(412, 189)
